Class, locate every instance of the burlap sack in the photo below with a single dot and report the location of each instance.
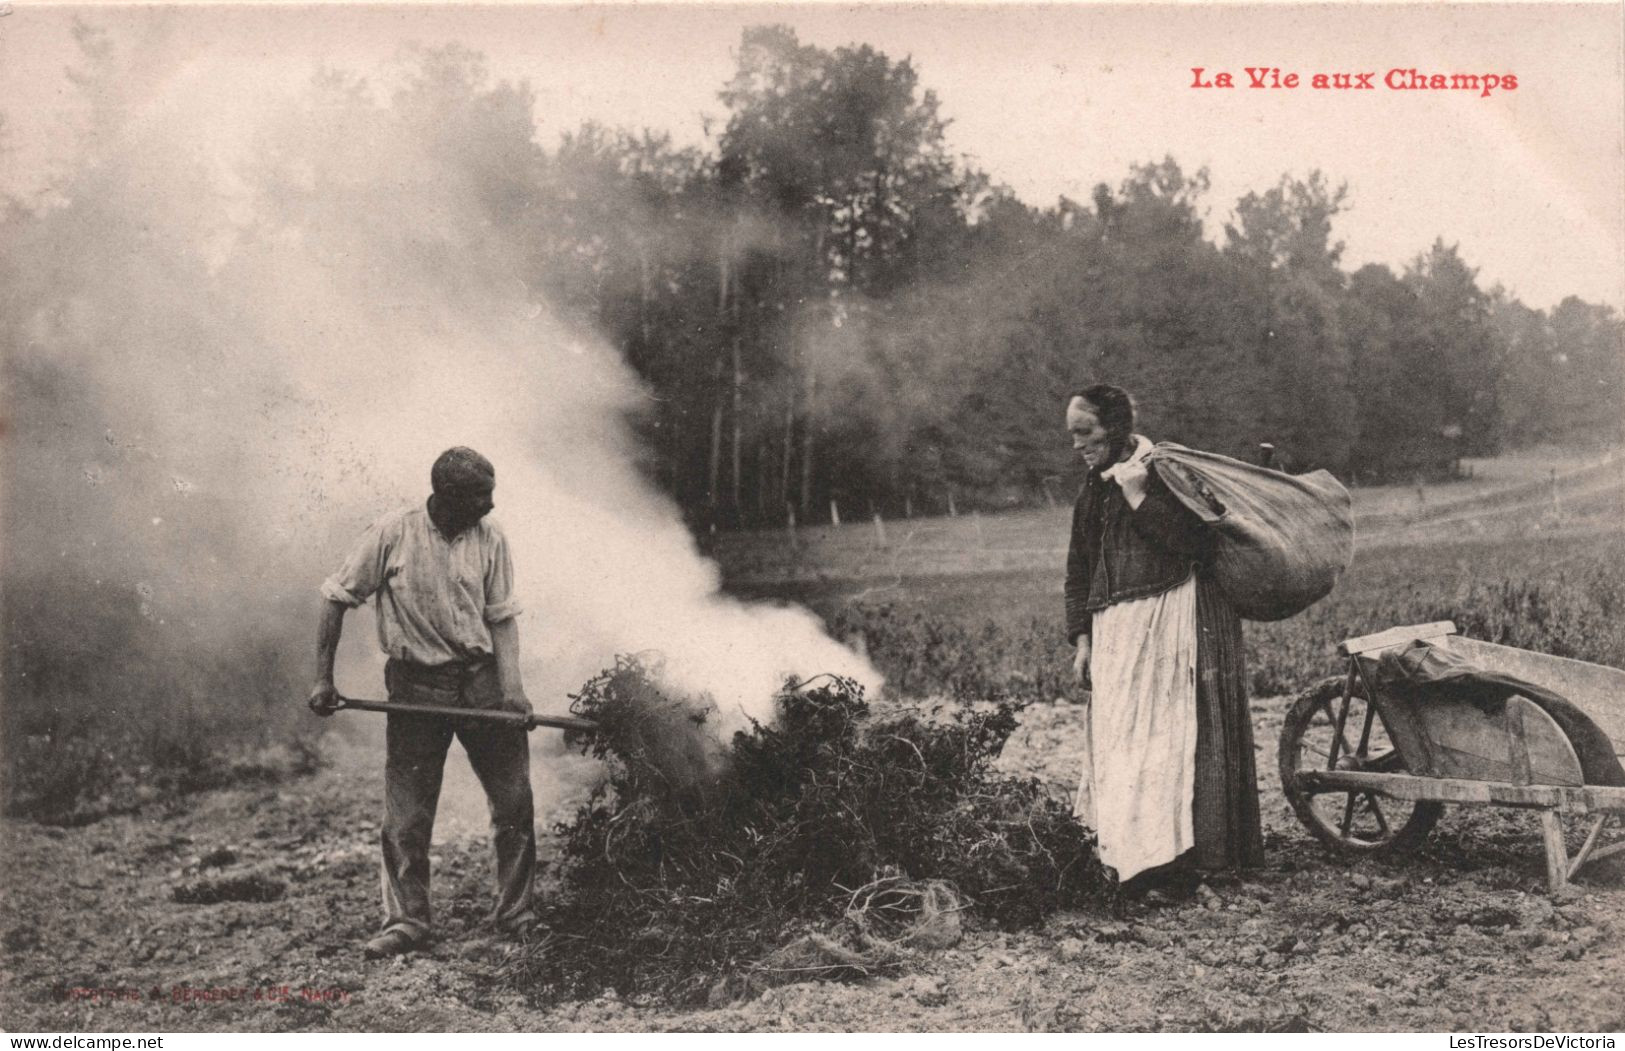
(1283, 539)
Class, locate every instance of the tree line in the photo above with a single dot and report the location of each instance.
(828, 309)
(828, 306)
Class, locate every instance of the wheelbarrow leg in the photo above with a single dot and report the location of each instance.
(1589, 845)
(1557, 853)
(1551, 825)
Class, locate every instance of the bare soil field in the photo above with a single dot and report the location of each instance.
(1459, 937)
(245, 908)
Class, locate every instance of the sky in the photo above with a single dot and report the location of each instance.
(1529, 182)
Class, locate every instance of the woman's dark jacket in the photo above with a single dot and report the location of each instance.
(1120, 553)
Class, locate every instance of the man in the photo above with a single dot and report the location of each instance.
(445, 609)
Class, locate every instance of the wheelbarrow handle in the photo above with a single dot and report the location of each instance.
(527, 722)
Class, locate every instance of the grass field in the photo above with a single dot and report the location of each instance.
(974, 605)
(1533, 495)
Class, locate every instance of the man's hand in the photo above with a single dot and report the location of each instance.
(323, 699)
(505, 648)
(1080, 660)
(516, 701)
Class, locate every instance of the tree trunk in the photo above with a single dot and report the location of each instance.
(764, 457)
(714, 460)
(787, 466)
(808, 438)
(645, 282)
(852, 243)
(789, 446)
(723, 273)
(738, 428)
(713, 492)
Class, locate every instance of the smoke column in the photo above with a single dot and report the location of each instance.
(244, 331)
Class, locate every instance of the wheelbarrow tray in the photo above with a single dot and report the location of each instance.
(1514, 754)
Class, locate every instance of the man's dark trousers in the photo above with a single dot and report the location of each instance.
(500, 756)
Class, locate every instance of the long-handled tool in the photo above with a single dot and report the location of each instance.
(527, 722)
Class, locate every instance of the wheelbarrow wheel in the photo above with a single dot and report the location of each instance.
(1361, 823)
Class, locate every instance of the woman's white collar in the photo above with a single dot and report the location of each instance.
(1142, 449)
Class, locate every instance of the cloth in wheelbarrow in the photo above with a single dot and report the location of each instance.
(1422, 670)
(1281, 540)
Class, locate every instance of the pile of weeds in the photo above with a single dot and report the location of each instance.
(695, 858)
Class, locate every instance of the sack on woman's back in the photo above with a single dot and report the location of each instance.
(1283, 540)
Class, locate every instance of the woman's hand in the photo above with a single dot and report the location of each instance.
(1080, 660)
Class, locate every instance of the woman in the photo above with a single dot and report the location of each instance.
(1169, 779)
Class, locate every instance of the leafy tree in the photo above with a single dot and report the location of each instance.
(1527, 408)
(842, 155)
(1287, 271)
(1402, 419)
(1162, 316)
(1565, 373)
(1464, 354)
(1589, 375)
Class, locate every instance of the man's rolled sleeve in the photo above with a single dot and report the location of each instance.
(500, 602)
(363, 570)
(333, 591)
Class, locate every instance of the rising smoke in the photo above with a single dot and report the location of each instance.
(241, 332)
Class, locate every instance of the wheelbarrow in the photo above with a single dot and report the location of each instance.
(1368, 760)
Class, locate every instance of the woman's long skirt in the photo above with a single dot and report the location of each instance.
(1168, 758)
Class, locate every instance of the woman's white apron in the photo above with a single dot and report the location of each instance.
(1139, 762)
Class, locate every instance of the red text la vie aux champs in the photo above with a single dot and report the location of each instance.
(1396, 79)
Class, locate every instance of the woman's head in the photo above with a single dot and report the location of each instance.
(1100, 419)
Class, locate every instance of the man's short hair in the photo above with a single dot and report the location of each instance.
(460, 469)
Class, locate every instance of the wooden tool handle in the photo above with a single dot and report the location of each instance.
(489, 715)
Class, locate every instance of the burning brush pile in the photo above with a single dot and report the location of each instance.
(830, 844)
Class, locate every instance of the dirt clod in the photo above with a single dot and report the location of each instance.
(21, 937)
(251, 887)
(218, 858)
